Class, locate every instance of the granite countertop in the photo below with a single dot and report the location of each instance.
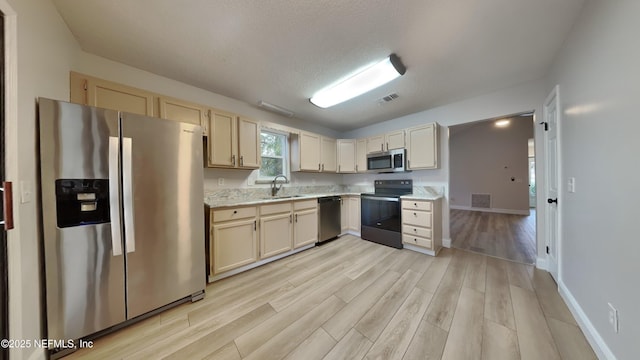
(421, 197)
(214, 203)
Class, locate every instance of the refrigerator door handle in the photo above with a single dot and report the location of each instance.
(127, 196)
(114, 196)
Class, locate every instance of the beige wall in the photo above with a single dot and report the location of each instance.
(484, 159)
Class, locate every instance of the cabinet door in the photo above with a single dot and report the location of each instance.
(305, 227)
(375, 144)
(275, 234)
(354, 213)
(346, 156)
(422, 151)
(361, 155)
(309, 151)
(234, 244)
(108, 95)
(174, 109)
(395, 140)
(344, 214)
(248, 143)
(222, 139)
(329, 157)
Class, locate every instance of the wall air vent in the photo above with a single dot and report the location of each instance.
(390, 97)
(481, 201)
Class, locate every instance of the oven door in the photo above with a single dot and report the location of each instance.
(380, 220)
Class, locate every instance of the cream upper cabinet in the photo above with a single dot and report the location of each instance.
(92, 91)
(305, 222)
(346, 155)
(312, 152)
(361, 155)
(233, 240)
(422, 147)
(375, 143)
(328, 155)
(179, 110)
(248, 143)
(309, 151)
(394, 140)
(276, 222)
(222, 141)
(233, 141)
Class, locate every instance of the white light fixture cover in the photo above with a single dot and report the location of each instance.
(502, 123)
(360, 83)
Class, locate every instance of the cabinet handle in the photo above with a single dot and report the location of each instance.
(415, 204)
(318, 166)
(233, 160)
(290, 218)
(235, 211)
(241, 160)
(415, 214)
(255, 225)
(415, 230)
(296, 217)
(382, 146)
(322, 167)
(356, 167)
(387, 146)
(409, 164)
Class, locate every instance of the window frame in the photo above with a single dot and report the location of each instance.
(260, 179)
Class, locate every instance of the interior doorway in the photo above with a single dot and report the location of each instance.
(492, 187)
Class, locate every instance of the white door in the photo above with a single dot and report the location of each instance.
(552, 151)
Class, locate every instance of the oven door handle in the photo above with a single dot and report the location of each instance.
(379, 198)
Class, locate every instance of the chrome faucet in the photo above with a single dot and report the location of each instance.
(274, 188)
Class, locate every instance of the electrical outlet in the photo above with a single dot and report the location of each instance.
(220, 181)
(613, 318)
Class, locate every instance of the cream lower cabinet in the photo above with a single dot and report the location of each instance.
(344, 214)
(305, 223)
(354, 214)
(422, 225)
(276, 222)
(234, 241)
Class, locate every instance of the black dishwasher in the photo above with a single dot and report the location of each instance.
(329, 218)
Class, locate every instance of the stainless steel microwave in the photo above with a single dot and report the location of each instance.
(387, 161)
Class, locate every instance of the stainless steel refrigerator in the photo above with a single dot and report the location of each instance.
(122, 223)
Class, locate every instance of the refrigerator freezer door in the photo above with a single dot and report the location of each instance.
(165, 207)
(84, 275)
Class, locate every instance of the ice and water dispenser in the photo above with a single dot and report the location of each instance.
(82, 202)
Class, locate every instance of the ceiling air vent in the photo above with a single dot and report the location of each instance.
(390, 97)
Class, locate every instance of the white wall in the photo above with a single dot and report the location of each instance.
(486, 159)
(45, 49)
(598, 74)
(518, 99)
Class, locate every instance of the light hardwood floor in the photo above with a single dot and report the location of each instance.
(511, 237)
(353, 299)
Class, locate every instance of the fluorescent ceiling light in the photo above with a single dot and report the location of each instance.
(502, 123)
(275, 108)
(360, 83)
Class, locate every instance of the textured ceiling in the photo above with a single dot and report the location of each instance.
(283, 52)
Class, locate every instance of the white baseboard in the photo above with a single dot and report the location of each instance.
(542, 264)
(593, 337)
(446, 242)
(419, 249)
(491, 210)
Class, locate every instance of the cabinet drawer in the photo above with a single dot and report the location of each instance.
(234, 214)
(275, 208)
(420, 218)
(416, 205)
(305, 204)
(416, 231)
(417, 240)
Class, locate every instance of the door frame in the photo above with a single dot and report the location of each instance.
(11, 169)
(553, 268)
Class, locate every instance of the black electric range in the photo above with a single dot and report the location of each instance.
(380, 212)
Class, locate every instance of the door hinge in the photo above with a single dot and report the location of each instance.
(546, 125)
(547, 249)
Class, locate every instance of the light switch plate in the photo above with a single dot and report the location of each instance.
(25, 191)
(571, 185)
